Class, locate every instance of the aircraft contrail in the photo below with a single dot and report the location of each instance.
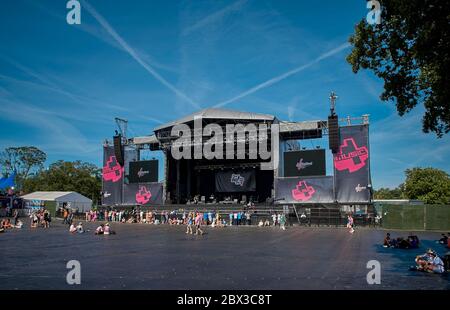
(102, 21)
(283, 76)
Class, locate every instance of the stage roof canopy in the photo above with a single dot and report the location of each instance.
(213, 113)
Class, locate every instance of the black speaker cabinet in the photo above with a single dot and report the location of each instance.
(118, 149)
(333, 133)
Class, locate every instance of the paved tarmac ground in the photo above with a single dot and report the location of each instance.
(163, 257)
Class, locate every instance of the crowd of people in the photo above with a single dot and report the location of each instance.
(6, 224)
(430, 261)
(41, 217)
(209, 218)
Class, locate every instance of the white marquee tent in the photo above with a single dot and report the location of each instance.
(73, 200)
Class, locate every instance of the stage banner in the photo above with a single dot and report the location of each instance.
(144, 171)
(304, 190)
(112, 178)
(236, 181)
(143, 194)
(351, 165)
(304, 163)
(130, 155)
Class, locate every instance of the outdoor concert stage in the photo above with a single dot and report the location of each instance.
(216, 158)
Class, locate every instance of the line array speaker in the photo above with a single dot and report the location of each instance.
(118, 149)
(333, 133)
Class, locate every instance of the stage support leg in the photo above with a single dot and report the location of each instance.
(296, 214)
(178, 182)
(188, 185)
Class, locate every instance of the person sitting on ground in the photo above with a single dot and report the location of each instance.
(99, 230)
(260, 224)
(7, 224)
(267, 223)
(444, 239)
(107, 230)
(413, 242)
(403, 243)
(387, 241)
(430, 262)
(19, 224)
(72, 228)
(80, 228)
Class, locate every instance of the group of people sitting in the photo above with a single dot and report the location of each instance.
(76, 228)
(429, 262)
(411, 242)
(6, 224)
(277, 220)
(102, 229)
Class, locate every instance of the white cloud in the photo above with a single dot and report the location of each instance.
(102, 21)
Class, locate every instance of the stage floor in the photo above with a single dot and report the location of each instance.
(163, 257)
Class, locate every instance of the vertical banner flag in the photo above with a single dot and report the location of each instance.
(112, 178)
(351, 165)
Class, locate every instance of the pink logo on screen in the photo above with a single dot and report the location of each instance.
(112, 171)
(143, 195)
(351, 157)
(303, 191)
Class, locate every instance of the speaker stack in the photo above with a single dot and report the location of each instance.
(333, 133)
(118, 149)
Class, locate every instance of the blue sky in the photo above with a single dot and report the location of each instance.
(152, 61)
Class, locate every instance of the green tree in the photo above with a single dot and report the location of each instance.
(387, 193)
(81, 177)
(409, 50)
(24, 160)
(428, 184)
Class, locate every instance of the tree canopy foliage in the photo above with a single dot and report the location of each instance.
(428, 184)
(409, 50)
(77, 176)
(387, 193)
(23, 160)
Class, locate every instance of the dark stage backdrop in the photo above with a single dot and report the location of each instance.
(235, 181)
(304, 163)
(304, 190)
(112, 178)
(143, 193)
(143, 171)
(351, 165)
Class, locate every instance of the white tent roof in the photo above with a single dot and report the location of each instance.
(57, 196)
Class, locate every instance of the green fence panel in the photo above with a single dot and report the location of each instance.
(437, 217)
(51, 207)
(413, 217)
(392, 217)
(416, 217)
